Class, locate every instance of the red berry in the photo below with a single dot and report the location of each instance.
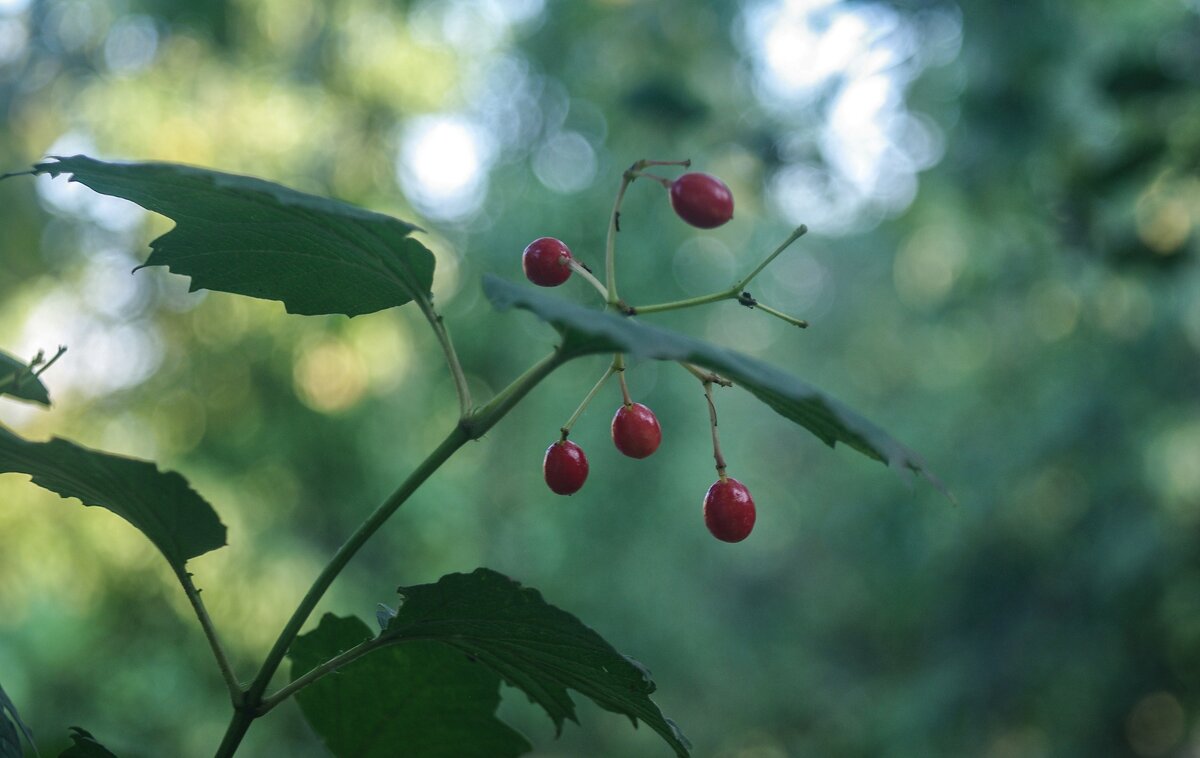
(565, 467)
(702, 200)
(729, 510)
(545, 261)
(635, 430)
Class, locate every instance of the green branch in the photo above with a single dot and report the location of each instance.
(472, 426)
(210, 632)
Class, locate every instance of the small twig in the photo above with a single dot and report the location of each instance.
(328, 667)
(614, 224)
(799, 232)
(61, 349)
(618, 365)
(210, 632)
(566, 428)
(712, 417)
(749, 301)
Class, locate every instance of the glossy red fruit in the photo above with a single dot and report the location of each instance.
(545, 262)
(729, 510)
(565, 467)
(702, 200)
(635, 430)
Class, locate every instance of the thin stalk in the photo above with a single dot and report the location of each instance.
(582, 270)
(614, 223)
(799, 232)
(13, 379)
(456, 371)
(46, 366)
(328, 667)
(781, 315)
(618, 365)
(210, 632)
(566, 428)
(610, 242)
(712, 417)
(690, 302)
(734, 292)
(486, 417)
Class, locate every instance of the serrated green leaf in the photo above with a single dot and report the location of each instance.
(586, 331)
(84, 745)
(533, 645)
(423, 699)
(180, 523)
(252, 237)
(10, 722)
(18, 380)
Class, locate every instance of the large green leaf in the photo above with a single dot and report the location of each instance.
(586, 331)
(18, 380)
(161, 504)
(10, 722)
(251, 237)
(535, 646)
(84, 745)
(423, 699)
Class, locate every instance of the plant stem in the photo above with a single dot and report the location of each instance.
(610, 243)
(244, 715)
(799, 232)
(734, 292)
(471, 427)
(582, 270)
(477, 424)
(566, 428)
(614, 222)
(328, 667)
(618, 365)
(46, 366)
(712, 417)
(456, 370)
(210, 631)
(781, 315)
(687, 303)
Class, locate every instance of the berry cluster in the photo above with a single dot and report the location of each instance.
(703, 201)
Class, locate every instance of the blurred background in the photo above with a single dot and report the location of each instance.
(1002, 271)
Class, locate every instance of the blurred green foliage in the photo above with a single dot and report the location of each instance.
(1002, 271)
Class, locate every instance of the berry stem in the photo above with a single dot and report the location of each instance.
(583, 271)
(610, 243)
(618, 365)
(566, 428)
(712, 417)
(614, 223)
